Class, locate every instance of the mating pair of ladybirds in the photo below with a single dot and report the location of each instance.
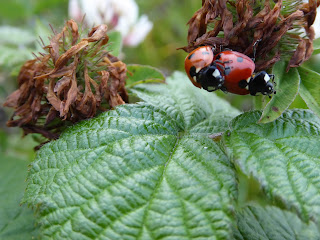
(229, 71)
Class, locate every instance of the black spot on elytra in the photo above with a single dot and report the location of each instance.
(193, 71)
(219, 56)
(243, 83)
(239, 59)
(191, 56)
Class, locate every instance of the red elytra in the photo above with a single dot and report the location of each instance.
(237, 70)
(197, 60)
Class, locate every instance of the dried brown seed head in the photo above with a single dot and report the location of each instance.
(75, 79)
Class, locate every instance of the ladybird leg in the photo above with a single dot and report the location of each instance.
(226, 70)
(218, 61)
(272, 77)
(224, 89)
(219, 64)
(254, 49)
(222, 67)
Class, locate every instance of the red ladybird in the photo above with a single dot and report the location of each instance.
(237, 70)
(201, 69)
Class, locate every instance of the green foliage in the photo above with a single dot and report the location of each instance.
(288, 85)
(158, 169)
(14, 46)
(135, 172)
(138, 74)
(282, 156)
(304, 80)
(16, 221)
(15, 36)
(271, 223)
(316, 46)
(115, 41)
(22, 12)
(310, 88)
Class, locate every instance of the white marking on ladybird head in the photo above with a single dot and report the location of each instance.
(266, 78)
(216, 73)
(198, 70)
(210, 88)
(195, 78)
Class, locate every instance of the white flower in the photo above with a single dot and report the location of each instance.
(316, 24)
(120, 15)
(138, 32)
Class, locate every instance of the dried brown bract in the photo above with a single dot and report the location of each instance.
(276, 29)
(75, 79)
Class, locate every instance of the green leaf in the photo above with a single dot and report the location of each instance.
(115, 43)
(316, 46)
(142, 171)
(16, 222)
(138, 74)
(17, 36)
(15, 10)
(310, 89)
(283, 156)
(271, 223)
(287, 88)
(11, 57)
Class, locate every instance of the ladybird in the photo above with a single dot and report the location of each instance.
(239, 78)
(202, 70)
(236, 69)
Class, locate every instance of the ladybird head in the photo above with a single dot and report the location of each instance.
(269, 84)
(262, 83)
(211, 78)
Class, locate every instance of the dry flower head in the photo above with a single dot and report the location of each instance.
(75, 79)
(274, 27)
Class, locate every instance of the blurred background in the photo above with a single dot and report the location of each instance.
(162, 26)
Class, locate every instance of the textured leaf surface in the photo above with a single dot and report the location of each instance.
(138, 74)
(16, 222)
(310, 89)
(143, 171)
(284, 156)
(287, 88)
(271, 223)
